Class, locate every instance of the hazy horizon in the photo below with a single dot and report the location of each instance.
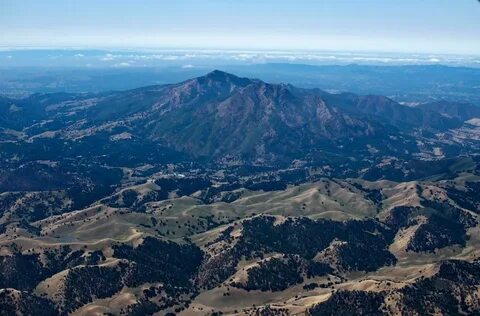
(204, 58)
(427, 27)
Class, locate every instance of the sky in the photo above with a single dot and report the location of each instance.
(415, 26)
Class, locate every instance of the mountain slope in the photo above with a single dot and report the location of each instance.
(392, 113)
(239, 117)
(461, 111)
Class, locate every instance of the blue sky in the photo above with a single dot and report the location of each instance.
(424, 26)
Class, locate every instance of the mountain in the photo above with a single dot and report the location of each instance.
(222, 117)
(220, 114)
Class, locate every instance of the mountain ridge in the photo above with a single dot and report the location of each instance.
(223, 117)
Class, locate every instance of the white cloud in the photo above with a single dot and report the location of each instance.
(108, 57)
(122, 65)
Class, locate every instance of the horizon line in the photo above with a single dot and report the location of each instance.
(4, 48)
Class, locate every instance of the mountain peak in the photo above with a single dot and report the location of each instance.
(219, 76)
